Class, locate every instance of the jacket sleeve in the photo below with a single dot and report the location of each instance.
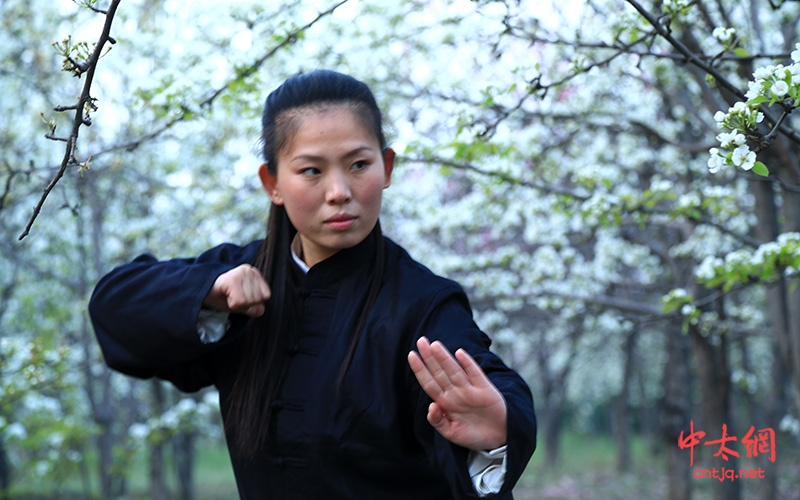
(145, 313)
(449, 320)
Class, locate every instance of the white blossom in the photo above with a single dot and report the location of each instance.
(186, 405)
(764, 72)
(743, 157)
(707, 269)
(740, 107)
(139, 431)
(42, 468)
(16, 430)
(790, 424)
(780, 88)
(753, 91)
(715, 161)
(723, 34)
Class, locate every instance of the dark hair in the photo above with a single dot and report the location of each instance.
(258, 378)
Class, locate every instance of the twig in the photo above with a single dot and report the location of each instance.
(84, 100)
(249, 70)
(694, 59)
(7, 190)
(260, 61)
(499, 175)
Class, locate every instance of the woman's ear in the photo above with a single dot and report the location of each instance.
(270, 183)
(388, 166)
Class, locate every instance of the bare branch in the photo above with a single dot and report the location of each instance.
(79, 120)
(7, 189)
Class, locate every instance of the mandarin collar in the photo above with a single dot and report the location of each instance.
(343, 263)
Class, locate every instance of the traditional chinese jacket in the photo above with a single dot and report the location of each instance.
(369, 438)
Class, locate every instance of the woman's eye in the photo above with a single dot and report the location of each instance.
(359, 165)
(310, 171)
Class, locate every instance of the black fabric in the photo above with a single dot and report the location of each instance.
(369, 438)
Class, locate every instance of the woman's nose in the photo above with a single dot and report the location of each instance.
(338, 189)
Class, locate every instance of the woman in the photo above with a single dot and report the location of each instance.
(310, 335)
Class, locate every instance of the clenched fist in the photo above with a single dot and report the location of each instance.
(240, 290)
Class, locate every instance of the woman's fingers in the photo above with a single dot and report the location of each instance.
(467, 408)
(424, 377)
(242, 290)
(436, 369)
(474, 372)
(449, 371)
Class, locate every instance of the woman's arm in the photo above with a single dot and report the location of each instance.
(145, 312)
(475, 418)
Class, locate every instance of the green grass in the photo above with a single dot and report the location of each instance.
(213, 479)
(586, 471)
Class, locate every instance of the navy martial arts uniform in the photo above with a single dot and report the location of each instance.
(368, 439)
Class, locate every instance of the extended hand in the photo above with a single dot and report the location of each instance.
(467, 408)
(241, 290)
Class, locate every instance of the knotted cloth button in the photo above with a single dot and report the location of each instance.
(279, 461)
(277, 404)
(293, 349)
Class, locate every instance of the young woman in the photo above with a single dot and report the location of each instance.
(330, 347)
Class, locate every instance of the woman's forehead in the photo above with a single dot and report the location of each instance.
(337, 126)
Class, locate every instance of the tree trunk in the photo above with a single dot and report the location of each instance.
(111, 485)
(791, 216)
(158, 485)
(5, 472)
(775, 410)
(648, 413)
(184, 463)
(674, 414)
(621, 413)
(711, 354)
(779, 310)
(551, 428)
(98, 388)
(83, 468)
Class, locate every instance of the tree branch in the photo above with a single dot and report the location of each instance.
(208, 101)
(695, 60)
(79, 120)
(498, 175)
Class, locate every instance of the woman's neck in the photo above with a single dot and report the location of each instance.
(297, 253)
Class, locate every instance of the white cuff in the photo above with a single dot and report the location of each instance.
(487, 469)
(212, 325)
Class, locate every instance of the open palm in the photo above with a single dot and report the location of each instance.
(467, 409)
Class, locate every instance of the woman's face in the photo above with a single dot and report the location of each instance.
(330, 178)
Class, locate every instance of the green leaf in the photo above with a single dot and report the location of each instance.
(740, 52)
(758, 100)
(760, 169)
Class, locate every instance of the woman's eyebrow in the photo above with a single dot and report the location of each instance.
(318, 158)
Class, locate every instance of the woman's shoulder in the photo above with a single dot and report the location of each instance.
(412, 274)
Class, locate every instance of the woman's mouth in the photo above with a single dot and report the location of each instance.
(340, 222)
